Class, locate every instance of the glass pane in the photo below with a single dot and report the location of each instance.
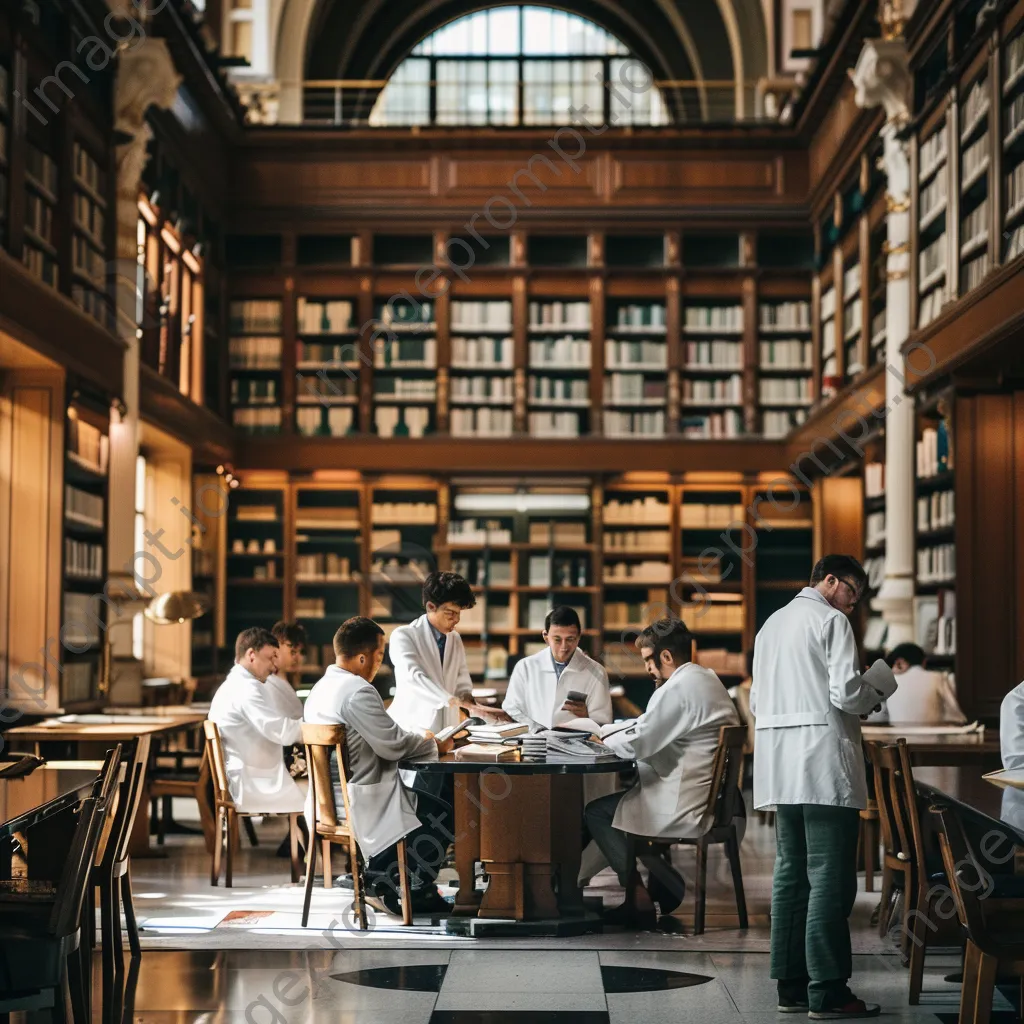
(504, 92)
(537, 30)
(405, 100)
(504, 31)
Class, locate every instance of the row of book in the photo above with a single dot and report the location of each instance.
(790, 316)
(723, 390)
(648, 509)
(486, 353)
(722, 318)
(482, 422)
(406, 353)
(39, 217)
(323, 566)
(633, 387)
(88, 444)
(40, 265)
(638, 540)
(41, 169)
(936, 564)
(933, 452)
(327, 317)
(575, 391)
(791, 354)
(625, 354)
(778, 422)
(560, 314)
(254, 391)
(257, 420)
(87, 170)
(82, 560)
(936, 511)
(83, 507)
(933, 152)
(481, 389)
(634, 424)
(255, 316)
(975, 272)
(406, 387)
(492, 314)
(89, 216)
(722, 355)
(554, 424)
(646, 571)
(796, 390)
(636, 315)
(933, 198)
(975, 105)
(975, 159)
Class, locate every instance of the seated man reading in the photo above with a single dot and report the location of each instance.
(674, 743)
(254, 728)
(923, 697)
(384, 809)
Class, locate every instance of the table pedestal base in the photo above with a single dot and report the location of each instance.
(584, 923)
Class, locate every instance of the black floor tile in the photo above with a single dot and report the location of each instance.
(647, 979)
(412, 978)
(519, 1017)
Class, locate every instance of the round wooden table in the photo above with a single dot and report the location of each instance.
(523, 821)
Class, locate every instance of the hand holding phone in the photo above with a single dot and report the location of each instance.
(576, 703)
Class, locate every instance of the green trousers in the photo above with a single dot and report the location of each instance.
(813, 891)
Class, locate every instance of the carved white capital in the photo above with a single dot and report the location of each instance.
(882, 78)
(146, 77)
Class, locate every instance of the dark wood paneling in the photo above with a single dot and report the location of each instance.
(163, 405)
(442, 454)
(989, 445)
(54, 326)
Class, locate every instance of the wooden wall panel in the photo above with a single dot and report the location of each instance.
(31, 477)
(636, 178)
(839, 516)
(990, 519)
(540, 180)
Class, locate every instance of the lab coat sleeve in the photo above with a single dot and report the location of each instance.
(259, 711)
(1011, 729)
(514, 704)
(847, 691)
(407, 665)
(464, 683)
(655, 730)
(599, 707)
(365, 713)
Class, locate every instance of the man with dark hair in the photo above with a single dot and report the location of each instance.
(384, 810)
(807, 694)
(291, 647)
(538, 690)
(674, 743)
(431, 676)
(254, 729)
(923, 697)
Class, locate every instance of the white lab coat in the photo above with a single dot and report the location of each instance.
(806, 697)
(253, 730)
(674, 743)
(285, 695)
(535, 694)
(423, 687)
(923, 698)
(383, 808)
(1011, 728)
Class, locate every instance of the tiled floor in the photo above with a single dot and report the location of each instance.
(563, 986)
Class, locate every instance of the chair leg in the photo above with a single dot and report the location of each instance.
(732, 851)
(328, 875)
(118, 947)
(310, 870)
(131, 924)
(358, 894)
(979, 983)
(918, 941)
(77, 987)
(231, 844)
(218, 846)
(886, 904)
(293, 841)
(630, 901)
(403, 882)
(107, 931)
(250, 831)
(870, 850)
(700, 887)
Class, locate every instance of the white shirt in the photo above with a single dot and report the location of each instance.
(383, 809)
(253, 729)
(284, 693)
(423, 686)
(536, 693)
(923, 698)
(1011, 728)
(674, 743)
(806, 696)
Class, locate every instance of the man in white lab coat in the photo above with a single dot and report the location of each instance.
(431, 677)
(923, 697)
(806, 697)
(1011, 728)
(291, 648)
(538, 690)
(384, 810)
(253, 730)
(674, 743)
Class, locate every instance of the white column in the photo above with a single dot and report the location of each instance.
(881, 78)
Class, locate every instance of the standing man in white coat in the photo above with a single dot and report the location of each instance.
(538, 690)
(431, 677)
(254, 729)
(806, 697)
(384, 810)
(674, 743)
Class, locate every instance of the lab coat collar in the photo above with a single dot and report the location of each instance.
(682, 668)
(575, 662)
(337, 670)
(814, 595)
(241, 672)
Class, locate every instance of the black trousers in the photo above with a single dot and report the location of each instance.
(425, 846)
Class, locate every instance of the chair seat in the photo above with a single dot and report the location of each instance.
(182, 786)
(332, 831)
(31, 957)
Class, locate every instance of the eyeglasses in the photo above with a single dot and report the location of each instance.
(854, 589)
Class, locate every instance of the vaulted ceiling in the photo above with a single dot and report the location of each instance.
(704, 40)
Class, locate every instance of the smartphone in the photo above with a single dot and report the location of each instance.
(576, 696)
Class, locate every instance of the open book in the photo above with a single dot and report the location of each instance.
(589, 726)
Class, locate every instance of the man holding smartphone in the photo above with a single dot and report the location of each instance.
(560, 684)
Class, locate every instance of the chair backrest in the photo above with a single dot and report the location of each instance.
(962, 871)
(188, 689)
(899, 820)
(724, 796)
(129, 797)
(218, 765)
(67, 910)
(106, 792)
(320, 741)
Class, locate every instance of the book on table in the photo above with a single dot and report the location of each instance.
(496, 752)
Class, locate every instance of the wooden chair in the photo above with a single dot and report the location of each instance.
(320, 741)
(186, 784)
(992, 947)
(40, 964)
(227, 815)
(724, 802)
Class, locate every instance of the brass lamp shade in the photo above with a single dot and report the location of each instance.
(177, 606)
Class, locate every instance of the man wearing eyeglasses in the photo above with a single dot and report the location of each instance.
(807, 695)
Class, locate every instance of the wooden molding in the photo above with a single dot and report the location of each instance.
(163, 405)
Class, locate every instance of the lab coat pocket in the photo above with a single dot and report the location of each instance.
(382, 813)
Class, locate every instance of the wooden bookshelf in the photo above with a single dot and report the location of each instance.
(255, 350)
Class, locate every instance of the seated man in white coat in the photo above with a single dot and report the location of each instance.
(384, 810)
(1011, 746)
(923, 697)
(674, 743)
(253, 730)
(538, 690)
(291, 648)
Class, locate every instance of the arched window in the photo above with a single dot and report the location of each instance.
(520, 66)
